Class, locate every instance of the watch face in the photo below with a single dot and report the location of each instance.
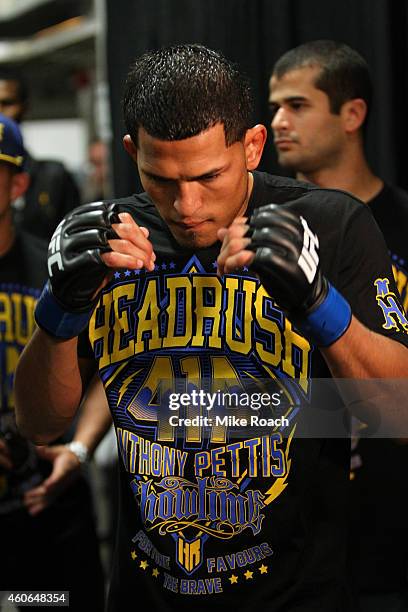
(79, 450)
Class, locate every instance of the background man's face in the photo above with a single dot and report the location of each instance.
(307, 135)
(198, 184)
(10, 104)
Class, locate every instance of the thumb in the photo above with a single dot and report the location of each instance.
(221, 233)
(65, 467)
(46, 452)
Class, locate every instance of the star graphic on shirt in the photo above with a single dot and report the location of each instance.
(127, 273)
(233, 579)
(214, 264)
(155, 572)
(245, 269)
(172, 265)
(263, 569)
(133, 555)
(144, 565)
(117, 275)
(248, 575)
(164, 266)
(136, 271)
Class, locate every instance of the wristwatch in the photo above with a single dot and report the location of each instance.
(80, 451)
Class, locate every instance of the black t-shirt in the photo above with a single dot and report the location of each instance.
(390, 210)
(379, 500)
(214, 520)
(23, 271)
(51, 194)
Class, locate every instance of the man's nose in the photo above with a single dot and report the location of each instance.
(280, 120)
(187, 199)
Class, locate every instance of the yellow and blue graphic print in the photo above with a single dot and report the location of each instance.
(17, 304)
(390, 304)
(186, 329)
(400, 271)
(17, 324)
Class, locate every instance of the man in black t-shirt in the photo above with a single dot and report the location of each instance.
(320, 97)
(214, 515)
(52, 190)
(46, 518)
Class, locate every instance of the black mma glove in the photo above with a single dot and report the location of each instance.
(287, 263)
(75, 269)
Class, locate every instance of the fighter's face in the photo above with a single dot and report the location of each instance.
(198, 184)
(10, 103)
(307, 135)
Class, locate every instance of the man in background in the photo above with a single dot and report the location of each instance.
(320, 97)
(96, 183)
(52, 191)
(47, 526)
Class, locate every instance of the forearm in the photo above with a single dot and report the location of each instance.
(361, 353)
(95, 418)
(48, 387)
(371, 371)
(48, 378)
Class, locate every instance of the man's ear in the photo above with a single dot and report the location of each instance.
(19, 185)
(254, 143)
(353, 114)
(130, 147)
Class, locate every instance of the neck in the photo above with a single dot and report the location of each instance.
(7, 233)
(250, 187)
(351, 173)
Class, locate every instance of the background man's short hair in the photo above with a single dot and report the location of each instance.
(344, 73)
(180, 91)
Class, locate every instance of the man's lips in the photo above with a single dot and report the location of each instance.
(284, 142)
(190, 225)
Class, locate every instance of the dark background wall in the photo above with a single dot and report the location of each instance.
(254, 33)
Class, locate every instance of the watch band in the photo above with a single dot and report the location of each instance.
(80, 451)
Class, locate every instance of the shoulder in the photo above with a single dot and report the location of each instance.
(53, 177)
(305, 198)
(51, 166)
(394, 196)
(390, 210)
(269, 188)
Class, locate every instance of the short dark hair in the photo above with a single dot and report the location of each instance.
(344, 73)
(10, 73)
(180, 91)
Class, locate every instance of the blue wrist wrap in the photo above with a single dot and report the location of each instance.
(54, 319)
(329, 321)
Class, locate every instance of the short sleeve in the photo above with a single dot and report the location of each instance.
(366, 280)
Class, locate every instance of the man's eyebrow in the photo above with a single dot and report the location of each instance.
(166, 179)
(156, 177)
(287, 99)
